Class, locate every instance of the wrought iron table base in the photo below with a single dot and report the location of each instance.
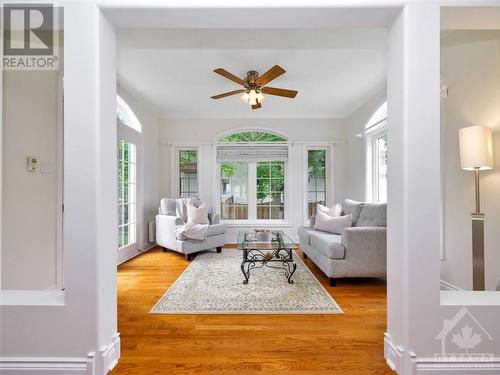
(279, 259)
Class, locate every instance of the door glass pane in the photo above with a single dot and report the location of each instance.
(270, 190)
(234, 191)
(127, 195)
(316, 180)
(382, 169)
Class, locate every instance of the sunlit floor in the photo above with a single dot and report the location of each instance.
(350, 343)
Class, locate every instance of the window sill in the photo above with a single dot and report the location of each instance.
(257, 224)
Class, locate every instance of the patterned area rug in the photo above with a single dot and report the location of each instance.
(213, 284)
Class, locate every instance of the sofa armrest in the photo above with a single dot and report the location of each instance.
(165, 230)
(214, 219)
(367, 245)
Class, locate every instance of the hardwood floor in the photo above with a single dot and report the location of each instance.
(350, 343)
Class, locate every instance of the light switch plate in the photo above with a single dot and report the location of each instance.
(32, 164)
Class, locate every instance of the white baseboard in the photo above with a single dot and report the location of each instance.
(137, 254)
(447, 286)
(429, 366)
(47, 366)
(108, 357)
(393, 354)
(396, 357)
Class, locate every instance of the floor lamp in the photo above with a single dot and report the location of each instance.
(476, 154)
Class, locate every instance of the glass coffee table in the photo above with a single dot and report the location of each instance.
(264, 248)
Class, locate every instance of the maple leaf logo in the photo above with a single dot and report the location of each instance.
(466, 339)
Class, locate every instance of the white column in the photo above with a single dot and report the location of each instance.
(75, 330)
(414, 185)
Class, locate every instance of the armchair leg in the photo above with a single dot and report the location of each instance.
(188, 257)
(219, 249)
(332, 282)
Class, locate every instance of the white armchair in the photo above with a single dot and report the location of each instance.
(167, 220)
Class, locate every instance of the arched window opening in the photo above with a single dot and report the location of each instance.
(126, 116)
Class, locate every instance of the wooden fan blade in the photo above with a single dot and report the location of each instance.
(279, 92)
(271, 74)
(256, 106)
(228, 75)
(228, 94)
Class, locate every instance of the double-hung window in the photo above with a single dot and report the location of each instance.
(252, 176)
(376, 156)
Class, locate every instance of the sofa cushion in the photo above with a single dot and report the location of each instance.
(350, 207)
(373, 215)
(330, 245)
(215, 230)
(305, 234)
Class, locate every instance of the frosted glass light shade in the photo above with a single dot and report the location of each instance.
(476, 148)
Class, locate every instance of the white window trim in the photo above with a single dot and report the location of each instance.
(252, 199)
(371, 135)
(175, 167)
(329, 175)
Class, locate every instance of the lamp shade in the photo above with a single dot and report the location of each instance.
(476, 148)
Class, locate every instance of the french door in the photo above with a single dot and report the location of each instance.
(127, 200)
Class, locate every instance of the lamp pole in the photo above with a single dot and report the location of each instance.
(478, 282)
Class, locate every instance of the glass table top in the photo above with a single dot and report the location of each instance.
(263, 239)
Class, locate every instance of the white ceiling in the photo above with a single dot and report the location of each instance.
(334, 70)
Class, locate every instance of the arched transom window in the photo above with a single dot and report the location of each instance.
(126, 116)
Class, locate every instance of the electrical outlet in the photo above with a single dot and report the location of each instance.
(32, 164)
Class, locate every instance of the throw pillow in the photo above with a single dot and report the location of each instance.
(335, 211)
(331, 224)
(197, 215)
(195, 201)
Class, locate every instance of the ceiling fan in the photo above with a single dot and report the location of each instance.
(255, 86)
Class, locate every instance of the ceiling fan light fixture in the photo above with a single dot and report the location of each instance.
(252, 101)
(260, 96)
(245, 97)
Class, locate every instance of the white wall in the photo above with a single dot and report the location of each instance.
(310, 130)
(75, 330)
(355, 146)
(470, 66)
(29, 210)
(149, 169)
